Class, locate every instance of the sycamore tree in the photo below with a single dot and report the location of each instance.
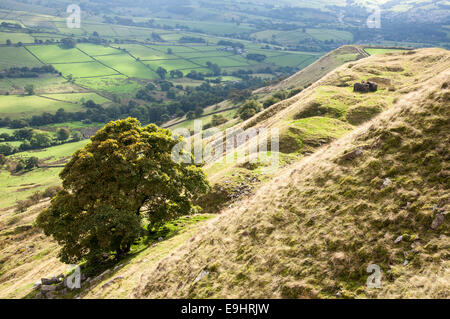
(123, 176)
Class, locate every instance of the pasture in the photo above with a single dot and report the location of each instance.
(77, 97)
(16, 57)
(128, 66)
(55, 54)
(46, 83)
(85, 69)
(18, 106)
(15, 37)
(19, 187)
(118, 84)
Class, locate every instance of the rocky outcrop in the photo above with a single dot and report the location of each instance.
(365, 87)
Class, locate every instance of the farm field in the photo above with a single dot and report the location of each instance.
(78, 98)
(85, 69)
(16, 56)
(128, 66)
(19, 187)
(118, 84)
(52, 54)
(18, 106)
(47, 83)
(94, 49)
(15, 37)
(54, 153)
(75, 125)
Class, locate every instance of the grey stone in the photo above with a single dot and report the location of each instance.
(387, 182)
(201, 275)
(47, 288)
(59, 286)
(438, 220)
(51, 281)
(105, 273)
(398, 239)
(37, 285)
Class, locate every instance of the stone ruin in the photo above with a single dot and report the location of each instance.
(365, 87)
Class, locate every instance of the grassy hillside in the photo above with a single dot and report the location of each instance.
(318, 69)
(313, 230)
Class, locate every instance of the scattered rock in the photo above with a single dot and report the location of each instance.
(37, 285)
(438, 220)
(201, 275)
(105, 273)
(352, 154)
(398, 239)
(59, 286)
(109, 283)
(47, 288)
(51, 295)
(160, 239)
(50, 281)
(408, 204)
(406, 262)
(387, 182)
(365, 87)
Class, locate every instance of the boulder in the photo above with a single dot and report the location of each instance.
(352, 154)
(438, 220)
(47, 288)
(51, 281)
(365, 87)
(37, 285)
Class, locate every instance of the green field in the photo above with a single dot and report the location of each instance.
(17, 106)
(146, 53)
(128, 66)
(53, 153)
(78, 97)
(15, 37)
(55, 54)
(46, 83)
(118, 84)
(170, 65)
(86, 69)
(16, 56)
(19, 187)
(94, 49)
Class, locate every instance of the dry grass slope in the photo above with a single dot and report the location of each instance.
(313, 230)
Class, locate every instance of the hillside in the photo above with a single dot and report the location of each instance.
(313, 230)
(318, 69)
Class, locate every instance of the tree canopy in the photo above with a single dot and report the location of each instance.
(125, 174)
(250, 108)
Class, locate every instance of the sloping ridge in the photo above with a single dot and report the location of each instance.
(318, 69)
(378, 195)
